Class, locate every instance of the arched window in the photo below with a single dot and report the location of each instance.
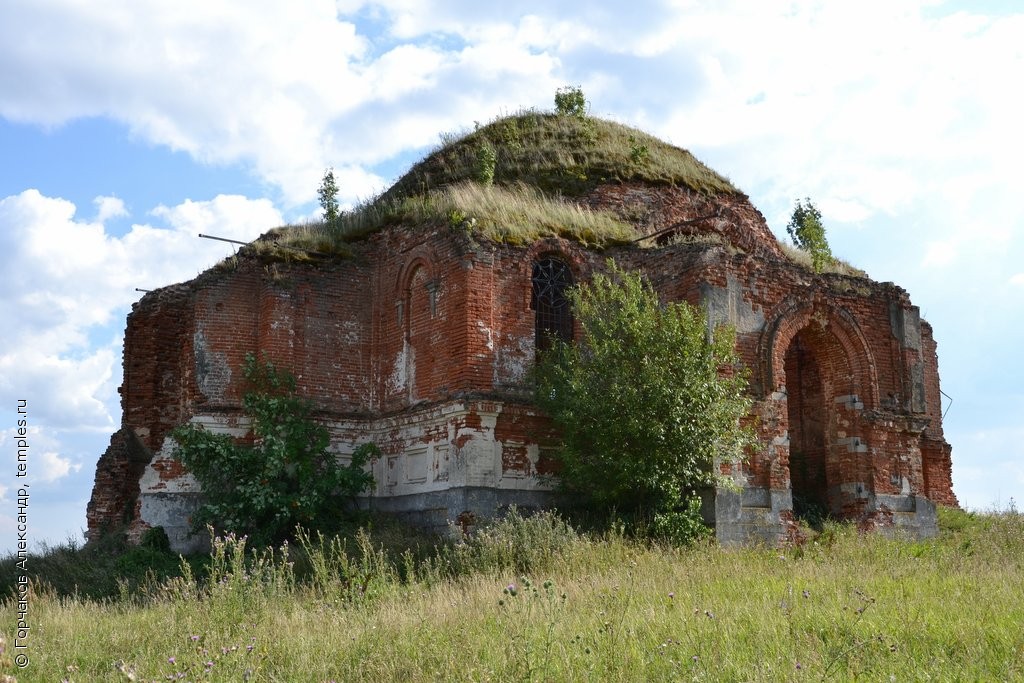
(553, 317)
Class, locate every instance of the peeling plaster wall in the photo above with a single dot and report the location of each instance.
(426, 454)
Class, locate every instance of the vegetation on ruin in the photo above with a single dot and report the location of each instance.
(328, 194)
(642, 408)
(533, 599)
(506, 177)
(285, 477)
(805, 260)
(808, 234)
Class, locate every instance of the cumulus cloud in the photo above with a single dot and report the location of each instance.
(52, 466)
(286, 90)
(289, 90)
(74, 279)
(109, 207)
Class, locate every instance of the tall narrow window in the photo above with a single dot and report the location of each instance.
(553, 317)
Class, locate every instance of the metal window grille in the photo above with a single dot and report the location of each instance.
(553, 316)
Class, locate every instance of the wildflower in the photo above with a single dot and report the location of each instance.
(798, 666)
(671, 595)
(171, 660)
(511, 589)
(194, 638)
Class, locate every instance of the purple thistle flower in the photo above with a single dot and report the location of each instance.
(170, 660)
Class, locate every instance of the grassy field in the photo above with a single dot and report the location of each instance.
(533, 600)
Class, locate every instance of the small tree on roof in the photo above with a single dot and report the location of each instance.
(808, 233)
(328, 192)
(570, 101)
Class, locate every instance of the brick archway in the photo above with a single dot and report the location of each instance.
(820, 369)
(794, 315)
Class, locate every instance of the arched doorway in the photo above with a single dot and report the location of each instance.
(809, 428)
(826, 391)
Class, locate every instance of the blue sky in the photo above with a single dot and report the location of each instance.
(127, 128)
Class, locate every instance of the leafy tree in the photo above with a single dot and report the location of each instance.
(570, 101)
(808, 233)
(328, 192)
(283, 478)
(646, 404)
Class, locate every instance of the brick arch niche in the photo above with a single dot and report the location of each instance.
(823, 373)
(417, 304)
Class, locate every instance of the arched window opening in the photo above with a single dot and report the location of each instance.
(553, 316)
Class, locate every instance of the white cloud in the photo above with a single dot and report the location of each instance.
(74, 279)
(1017, 279)
(52, 466)
(892, 88)
(109, 207)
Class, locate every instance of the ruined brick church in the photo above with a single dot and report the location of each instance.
(419, 334)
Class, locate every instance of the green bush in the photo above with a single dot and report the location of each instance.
(643, 406)
(286, 477)
(570, 101)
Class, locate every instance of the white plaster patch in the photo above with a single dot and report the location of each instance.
(351, 332)
(212, 370)
(488, 333)
(398, 380)
(513, 360)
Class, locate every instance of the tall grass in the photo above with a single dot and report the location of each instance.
(515, 214)
(531, 599)
(803, 259)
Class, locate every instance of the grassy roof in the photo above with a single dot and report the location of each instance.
(559, 154)
(540, 162)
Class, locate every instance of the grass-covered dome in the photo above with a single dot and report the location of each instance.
(558, 154)
(515, 180)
